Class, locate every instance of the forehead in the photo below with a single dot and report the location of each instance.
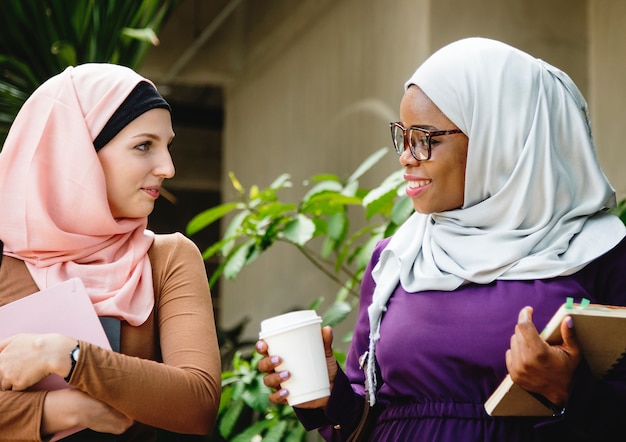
(417, 109)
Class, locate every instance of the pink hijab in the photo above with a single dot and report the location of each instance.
(53, 202)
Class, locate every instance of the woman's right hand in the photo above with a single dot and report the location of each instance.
(273, 378)
(69, 408)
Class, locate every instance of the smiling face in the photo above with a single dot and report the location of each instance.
(438, 184)
(135, 163)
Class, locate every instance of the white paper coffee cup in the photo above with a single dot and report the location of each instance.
(296, 337)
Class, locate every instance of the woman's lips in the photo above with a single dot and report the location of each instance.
(152, 191)
(416, 186)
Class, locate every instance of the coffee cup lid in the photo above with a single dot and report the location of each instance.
(288, 321)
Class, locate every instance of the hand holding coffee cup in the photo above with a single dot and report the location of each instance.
(299, 362)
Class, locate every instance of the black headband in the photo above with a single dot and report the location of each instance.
(143, 98)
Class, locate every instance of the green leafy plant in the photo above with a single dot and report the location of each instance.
(319, 227)
(40, 38)
(245, 411)
(259, 219)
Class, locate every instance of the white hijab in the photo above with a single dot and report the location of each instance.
(535, 195)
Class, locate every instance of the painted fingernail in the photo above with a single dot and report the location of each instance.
(283, 374)
(259, 346)
(570, 322)
(274, 359)
(283, 393)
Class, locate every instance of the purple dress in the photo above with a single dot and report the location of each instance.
(441, 354)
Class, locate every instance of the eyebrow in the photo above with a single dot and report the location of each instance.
(425, 126)
(153, 136)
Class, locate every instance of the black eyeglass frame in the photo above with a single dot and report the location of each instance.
(405, 133)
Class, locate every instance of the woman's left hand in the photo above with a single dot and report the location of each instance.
(540, 367)
(27, 358)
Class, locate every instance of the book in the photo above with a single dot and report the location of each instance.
(65, 308)
(601, 334)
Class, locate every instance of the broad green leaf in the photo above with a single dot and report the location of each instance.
(256, 394)
(232, 231)
(368, 164)
(208, 217)
(364, 253)
(338, 199)
(276, 209)
(275, 433)
(337, 226)
(296, 434)
(341, 358)
(281, 182)
(328, 246)
(237, 258)
(392, 182)
(218, 246)
(402, 209)
(382, 205)
(249, 433)
(323, 186)
(321, 226)
(299, 231)
(230, 417)
(336, 313)
(229, 378)
(225, 399)
(327, 203)
(350, 242)
(351, 189)
(343, 293)
(316, 303)
(323, 177)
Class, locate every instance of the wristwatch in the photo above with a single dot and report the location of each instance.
(74, 354)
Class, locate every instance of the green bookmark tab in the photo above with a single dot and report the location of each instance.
(584, 302)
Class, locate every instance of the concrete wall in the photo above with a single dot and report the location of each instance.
(607, 91)
(310, 87)
(323, 105)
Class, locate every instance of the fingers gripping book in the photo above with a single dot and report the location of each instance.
(601, 334)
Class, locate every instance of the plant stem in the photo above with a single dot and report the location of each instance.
(309, 255)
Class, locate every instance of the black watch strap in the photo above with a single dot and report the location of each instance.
(74, 358)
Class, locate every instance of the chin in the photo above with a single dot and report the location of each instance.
(423, 210)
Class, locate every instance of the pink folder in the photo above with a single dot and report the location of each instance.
(66, 309)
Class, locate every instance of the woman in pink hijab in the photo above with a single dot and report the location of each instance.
(79, 174)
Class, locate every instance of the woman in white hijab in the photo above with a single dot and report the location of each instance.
(510, 220)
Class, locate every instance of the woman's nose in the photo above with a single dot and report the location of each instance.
(165, 166)
(407, 158)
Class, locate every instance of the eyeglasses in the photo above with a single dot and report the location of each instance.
(418, 139)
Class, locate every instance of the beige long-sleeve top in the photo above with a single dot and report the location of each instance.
(168, 372)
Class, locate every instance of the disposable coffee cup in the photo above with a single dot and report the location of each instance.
(296, 337)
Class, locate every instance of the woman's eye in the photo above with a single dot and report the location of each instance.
(143, 146)
(420, 141)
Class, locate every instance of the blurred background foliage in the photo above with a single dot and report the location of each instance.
(40, 38)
